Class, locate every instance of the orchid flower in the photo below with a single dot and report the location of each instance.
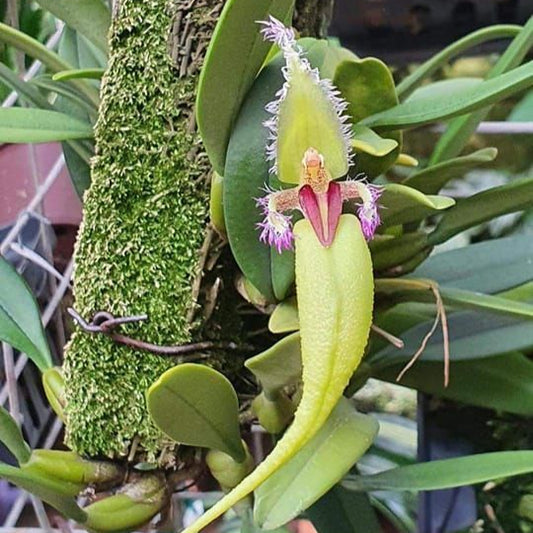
(310, 146)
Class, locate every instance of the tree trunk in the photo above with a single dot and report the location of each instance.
(145, 218)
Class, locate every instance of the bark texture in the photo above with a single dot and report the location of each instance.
(145, 217)
(144, 220)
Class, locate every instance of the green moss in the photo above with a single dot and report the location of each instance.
(144, 222)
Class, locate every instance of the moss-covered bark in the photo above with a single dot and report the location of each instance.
(144, 220)
(144, 217)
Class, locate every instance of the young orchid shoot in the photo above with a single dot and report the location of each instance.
(310, 146)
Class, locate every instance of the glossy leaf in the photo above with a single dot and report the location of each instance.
(500, 31)
(284, 318)
(459, 130)
(26, 92)
(430, 180)
(235, 55)
(24, 125)
(344, 511)
(11, 437)
(446, 473)
(368, 87)
(340, 442)
(488, 267)
(388, 251)
(401, 204)
(509, 198)
(20, 322)
(430, 108)
(196, 405)
(90, 17)
(503, 383)
(48, 490)
(280, 365)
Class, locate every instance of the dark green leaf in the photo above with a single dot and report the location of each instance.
(489, 267)
(343, 511)
(48, 490)
(401, 204)
(20, 323)
(235, 55)
(432, 179)
(196, 405)
(24, 125)
(90, 17)
(368, 87)
(446, 473)
(459, 130)
(339, 443)
(514, 196)
(411, 82)
(11, 437)
(504, 383)
(473, 335)
(418, 111)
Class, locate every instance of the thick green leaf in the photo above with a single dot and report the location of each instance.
(368, 87)
(417, 290)
(500, 31)
(388, 251)
(50, 59)
(459, 130)
(401, 204)
(74, 74)
(24, 125)
(427, 109)
(235, 55)
(488, 267)
(446, 473)
(344, 511)
(432, 179)
(369, 142)
(90, 17)
(11, 437)
(280, 365)
(339, 443)
(510, 198)
(504, 383)
(48, 490)
(284, 318)
(20, 323)
(473, 335)
(196, 405)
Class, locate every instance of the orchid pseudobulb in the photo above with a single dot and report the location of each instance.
(310, 147)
